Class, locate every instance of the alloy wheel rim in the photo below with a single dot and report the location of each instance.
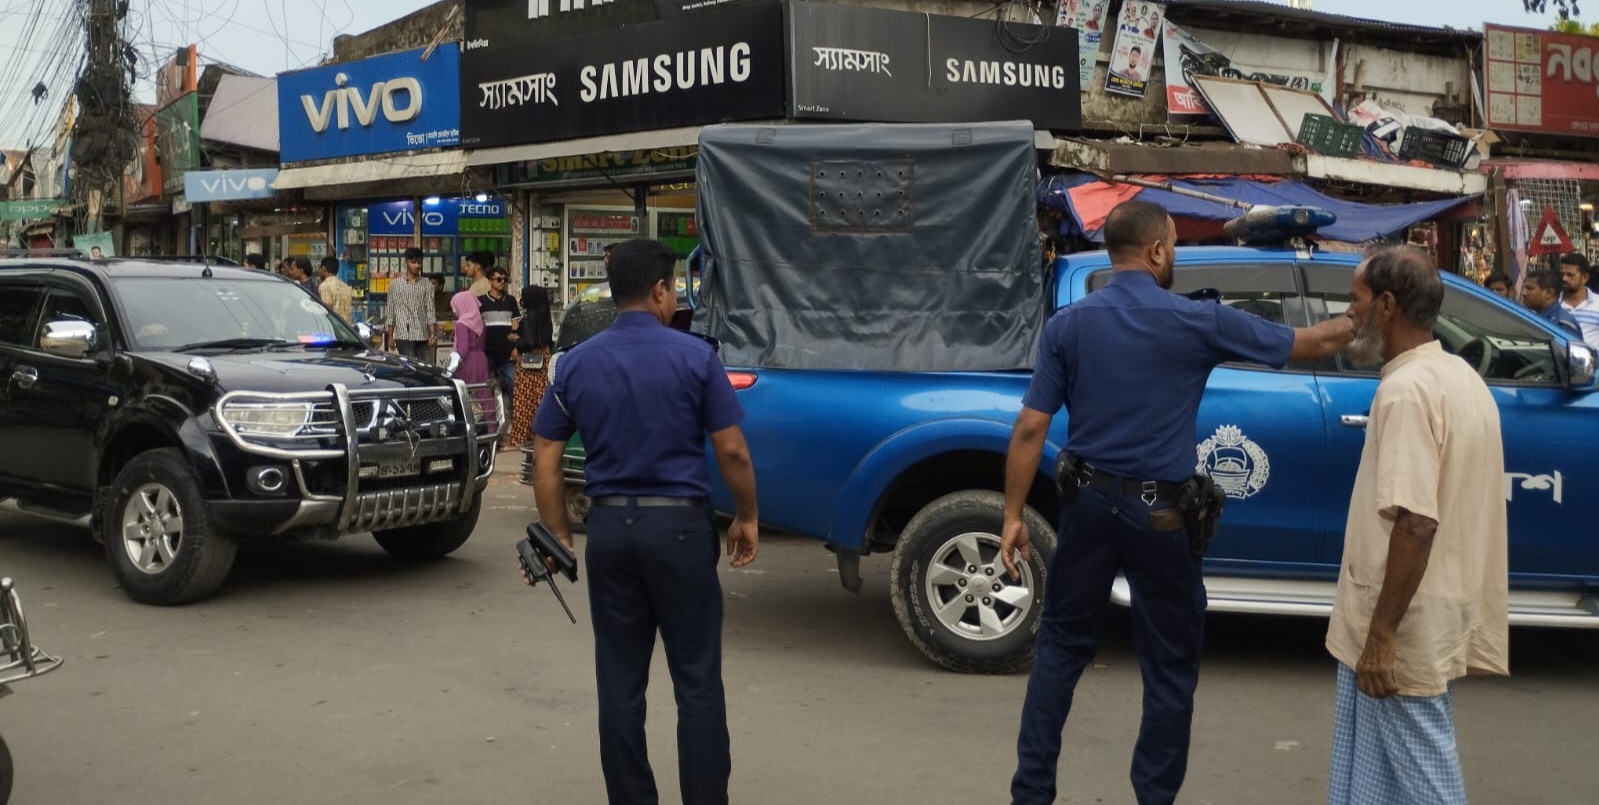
(152, 528)
(970, 592)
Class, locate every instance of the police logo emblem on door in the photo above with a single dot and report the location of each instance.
(1237, 464)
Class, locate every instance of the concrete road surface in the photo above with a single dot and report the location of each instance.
(331, 674)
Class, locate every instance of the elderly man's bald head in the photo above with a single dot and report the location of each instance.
(1407, 273)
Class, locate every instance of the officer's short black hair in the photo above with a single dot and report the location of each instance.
(636, 265)
(1576, 259)
(254, 260)
(1133, 225)
(1544, 278)
(1407, 273)
(1496, 276)
(413, 253)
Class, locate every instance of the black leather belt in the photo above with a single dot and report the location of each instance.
(647, 501)
(1147, 491)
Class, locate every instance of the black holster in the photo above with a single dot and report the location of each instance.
(1201, 503)
(1068, 477)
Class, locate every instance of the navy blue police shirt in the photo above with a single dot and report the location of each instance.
(643, 395)
(1130, 361)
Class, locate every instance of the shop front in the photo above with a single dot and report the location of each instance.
(597, 126)
(374, 144)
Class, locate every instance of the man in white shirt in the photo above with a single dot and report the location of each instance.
(1582, 303)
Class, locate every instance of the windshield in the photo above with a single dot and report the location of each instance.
(175, 312)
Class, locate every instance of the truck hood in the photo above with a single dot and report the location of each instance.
(296, 370)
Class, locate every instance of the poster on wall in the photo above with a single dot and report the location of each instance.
(1088, 17)
(1132, 59)
(97, 245)
(1192, 57)
(1541, 81)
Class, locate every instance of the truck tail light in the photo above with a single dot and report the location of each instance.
(741, 380)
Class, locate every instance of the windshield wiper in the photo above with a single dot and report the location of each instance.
(236, 343)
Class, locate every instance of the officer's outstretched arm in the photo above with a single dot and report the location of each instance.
(738, 472)
(1322, 341)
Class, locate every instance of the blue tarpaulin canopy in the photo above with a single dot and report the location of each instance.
(1088, 200)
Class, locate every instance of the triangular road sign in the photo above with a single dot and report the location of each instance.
(1549, 237)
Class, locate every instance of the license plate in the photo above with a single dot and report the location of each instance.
(399, 467)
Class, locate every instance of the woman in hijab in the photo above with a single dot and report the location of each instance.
(474, 365)
(533, 339)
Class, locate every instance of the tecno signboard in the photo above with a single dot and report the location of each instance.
(510, 23)
(850, 63)
(394, 102)
(723, 64)
(440, 217)
(1541, 81)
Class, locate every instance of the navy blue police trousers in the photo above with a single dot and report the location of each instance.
(1101, 534)
(654, 569)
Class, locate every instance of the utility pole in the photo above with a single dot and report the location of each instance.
(103, 140)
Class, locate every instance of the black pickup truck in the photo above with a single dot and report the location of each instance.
(176, 410)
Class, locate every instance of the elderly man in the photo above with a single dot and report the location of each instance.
(1423, 588)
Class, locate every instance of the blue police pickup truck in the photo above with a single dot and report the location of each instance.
(861, 448)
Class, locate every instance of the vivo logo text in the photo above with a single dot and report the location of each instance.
(233, 184)
(399, 99)
(399, 218)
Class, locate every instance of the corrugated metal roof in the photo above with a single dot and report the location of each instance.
(1285, 12)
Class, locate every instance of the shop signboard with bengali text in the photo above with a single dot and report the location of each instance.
(1541, 81)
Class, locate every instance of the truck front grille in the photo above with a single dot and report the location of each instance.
(399, 508)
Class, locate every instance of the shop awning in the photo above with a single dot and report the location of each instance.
(382, 169)
(1088, 201)
(632, 141)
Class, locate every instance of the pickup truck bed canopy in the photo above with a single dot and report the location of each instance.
(871, 247)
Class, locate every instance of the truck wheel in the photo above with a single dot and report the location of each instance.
(7, 773)
(577, 506)
(950, 589)
(433, 540)
(157, 533)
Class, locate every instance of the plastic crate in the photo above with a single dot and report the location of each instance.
(1436, 147)
(1330, 136)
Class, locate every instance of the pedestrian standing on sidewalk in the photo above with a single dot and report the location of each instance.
(409, 313)
(469, 335)
(476, 268)
(335, 293)
(1100, 358)
(534, 336)
(500, 312)
(300, 271)
(644, 396)
(1423, 589)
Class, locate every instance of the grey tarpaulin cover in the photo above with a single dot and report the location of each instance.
(878, 247)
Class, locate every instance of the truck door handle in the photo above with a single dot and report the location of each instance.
(1354, 420)
(25, 376)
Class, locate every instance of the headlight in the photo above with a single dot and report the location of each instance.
(268, 419)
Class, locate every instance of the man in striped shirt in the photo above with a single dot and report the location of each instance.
(1582, 303)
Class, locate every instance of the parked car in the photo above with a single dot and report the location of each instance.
(179, 409)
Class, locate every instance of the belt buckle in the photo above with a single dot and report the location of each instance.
(1150, 490)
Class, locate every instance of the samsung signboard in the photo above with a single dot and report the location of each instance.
(394, 102)
(867, 64)
(494, 24)
(722, 64)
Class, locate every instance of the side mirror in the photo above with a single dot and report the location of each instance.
(1581, 362)
(365, 331)
(69, 338)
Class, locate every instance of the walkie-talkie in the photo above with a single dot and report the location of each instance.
(539, 546)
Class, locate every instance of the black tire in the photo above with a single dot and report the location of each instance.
(577, 507)
(933, 535)
(423, 543)
(7, 773)
(202, 557)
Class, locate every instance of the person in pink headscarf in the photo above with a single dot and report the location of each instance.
(474, 366)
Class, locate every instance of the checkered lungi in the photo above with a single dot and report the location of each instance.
(1394, 751)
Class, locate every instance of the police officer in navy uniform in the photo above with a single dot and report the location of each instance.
(643, 396)
(1129, 362)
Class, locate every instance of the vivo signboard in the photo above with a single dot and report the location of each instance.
(229, 185)
(395, 102)
(440, 217)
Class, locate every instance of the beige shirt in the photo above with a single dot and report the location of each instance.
(481, 285)
(336, 294)
(1432, 447)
